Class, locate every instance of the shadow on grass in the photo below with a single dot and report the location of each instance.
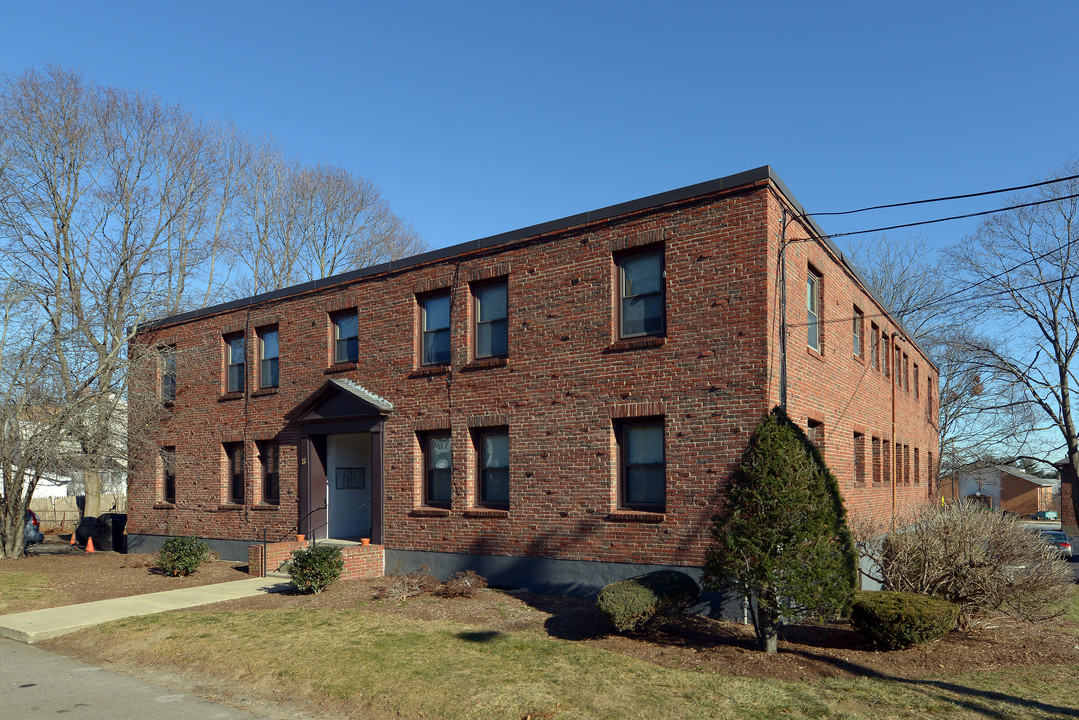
(969, 696)
(578, 619)
(480, 636)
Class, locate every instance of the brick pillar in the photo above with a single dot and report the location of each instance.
(1068, 485)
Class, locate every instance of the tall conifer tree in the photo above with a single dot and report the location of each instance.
(782, 539)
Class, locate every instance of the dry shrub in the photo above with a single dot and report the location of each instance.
(461, 584)
(402, 586)
(984, 562)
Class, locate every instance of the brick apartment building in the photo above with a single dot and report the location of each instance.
(556, 407)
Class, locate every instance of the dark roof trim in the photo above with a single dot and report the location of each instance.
(689, 192)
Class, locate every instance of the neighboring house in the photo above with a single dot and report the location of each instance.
(1010, 489)
(66, 466)
(555, 407)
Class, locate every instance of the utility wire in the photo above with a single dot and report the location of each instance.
(931, 303)
(946, 198)
(954, 217)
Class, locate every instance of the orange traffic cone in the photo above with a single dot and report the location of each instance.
(89, 545)
(73, 543)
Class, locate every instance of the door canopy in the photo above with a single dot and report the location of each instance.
(340, 399)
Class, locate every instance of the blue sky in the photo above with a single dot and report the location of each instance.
(481, 117)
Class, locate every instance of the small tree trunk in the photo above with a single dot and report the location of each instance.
(91, 482)
(13, 544)
(766, 625)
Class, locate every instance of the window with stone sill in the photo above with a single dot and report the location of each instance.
(168, 475)
(641, 465)
(435, 329)
(813, 309)
(490, 333)
(641, 290)
(268, 357)
(346, 341)
(235, 362)
(168, 374)
(493, 468)
(436, 449)
(234, 463)
(270, 462)
(857, 331)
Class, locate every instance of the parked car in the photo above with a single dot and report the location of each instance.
(1059, 541)
(32, 534)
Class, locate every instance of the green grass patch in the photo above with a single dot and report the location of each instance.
(21, 591)
(388, 665)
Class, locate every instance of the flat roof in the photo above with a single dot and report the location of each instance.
(683, 194)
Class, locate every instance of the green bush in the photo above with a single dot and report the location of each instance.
(182, 555)
(642, 602)
(896, 620)
(313, 569)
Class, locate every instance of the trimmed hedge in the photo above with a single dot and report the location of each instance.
(313, 569)
(641, 602)
(182, 555)
(896, 620)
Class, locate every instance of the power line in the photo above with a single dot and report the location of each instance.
(946, 198)
(955, 217)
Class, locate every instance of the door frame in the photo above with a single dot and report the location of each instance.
(313, 480)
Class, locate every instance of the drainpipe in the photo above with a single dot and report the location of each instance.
(783, 314)
(894, 378)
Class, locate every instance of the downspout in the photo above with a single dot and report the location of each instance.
(783, 313)
(893, 453)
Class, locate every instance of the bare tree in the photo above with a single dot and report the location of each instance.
(31, 423)
(117, 208)
(104, 203)
(1020, 267)
(977, 416)
(299, 222)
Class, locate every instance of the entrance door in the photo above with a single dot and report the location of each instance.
(349, 479)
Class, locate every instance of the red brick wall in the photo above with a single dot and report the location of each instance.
(846, 393)
(712, 377)
(361, 561)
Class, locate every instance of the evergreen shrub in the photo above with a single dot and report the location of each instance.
(182, 555)
(781, 538)
(315, 568)
(897, 620)
(640, 603)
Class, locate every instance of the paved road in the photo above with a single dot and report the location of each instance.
(39, 684)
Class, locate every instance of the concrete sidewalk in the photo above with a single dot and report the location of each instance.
(34, 625)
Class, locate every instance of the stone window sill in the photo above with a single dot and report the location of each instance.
(485, 363)
(230, 396)
(229, 507)
(430, 512)
(430, 370)
(636, 343)
(486, 513)
(342, 367)
(265, 507)
(164, 506)
(262, 392)
(636, 516)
